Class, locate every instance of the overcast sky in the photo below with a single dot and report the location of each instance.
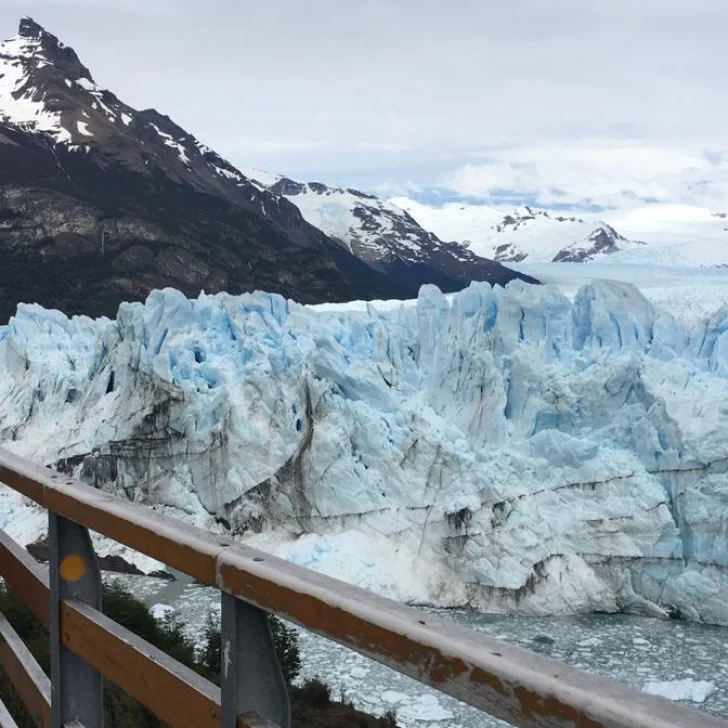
(555, 102)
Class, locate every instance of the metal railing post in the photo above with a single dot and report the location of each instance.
(251, 680)
(76, 687)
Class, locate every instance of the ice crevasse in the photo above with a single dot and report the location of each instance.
(507, 449)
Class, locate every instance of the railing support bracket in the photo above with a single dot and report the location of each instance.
(252, 680)
(77, 690)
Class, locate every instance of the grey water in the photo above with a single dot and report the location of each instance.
(634, 650)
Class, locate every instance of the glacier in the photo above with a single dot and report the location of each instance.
(505, 449)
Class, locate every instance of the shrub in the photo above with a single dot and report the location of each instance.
(316, 692)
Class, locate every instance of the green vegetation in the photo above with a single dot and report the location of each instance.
(311, 704)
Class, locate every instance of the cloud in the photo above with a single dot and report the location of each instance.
(134, 6)
(585, 173)
(537, 97)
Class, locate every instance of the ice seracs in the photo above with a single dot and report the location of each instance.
(507, 449)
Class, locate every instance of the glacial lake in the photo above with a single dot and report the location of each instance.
(634, 650)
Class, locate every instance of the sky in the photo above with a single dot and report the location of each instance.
(568, 104)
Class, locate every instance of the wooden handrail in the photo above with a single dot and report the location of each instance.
(30, 682)
(524, 688)
(25, 577)
(146, 673)
(141, 670)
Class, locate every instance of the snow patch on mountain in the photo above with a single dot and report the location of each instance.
(650, 234)
(259, 177)
(38, 77)
(507, 449)
(45, 89)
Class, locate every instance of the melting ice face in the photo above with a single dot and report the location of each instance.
(508, 449)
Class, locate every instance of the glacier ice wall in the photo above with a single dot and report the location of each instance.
(506, 449)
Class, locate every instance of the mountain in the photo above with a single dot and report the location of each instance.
(385, 236)
(101, 203)
(537, 236)
(505, 449)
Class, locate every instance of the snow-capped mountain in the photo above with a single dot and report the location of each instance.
(525, 234)
(508, 449)
(46, 91)
(383, 235)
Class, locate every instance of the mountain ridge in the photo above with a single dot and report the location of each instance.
(386, 237)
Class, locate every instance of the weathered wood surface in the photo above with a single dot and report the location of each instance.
(27, 578)
(144, 672)
(30, 682)
(173, 692)
(521, 687)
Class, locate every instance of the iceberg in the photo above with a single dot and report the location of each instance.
(506, 449)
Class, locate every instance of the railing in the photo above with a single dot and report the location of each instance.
(523, 688)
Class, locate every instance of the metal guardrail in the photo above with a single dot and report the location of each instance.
(523, 688)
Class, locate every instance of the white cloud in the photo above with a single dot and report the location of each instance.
(602, 172)
(134, 6)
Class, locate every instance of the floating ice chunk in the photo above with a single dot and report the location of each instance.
(417, 708)
(688, 690)
(423, 708)
(393, 697)
(162, 612)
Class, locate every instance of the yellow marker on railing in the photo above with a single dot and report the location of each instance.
(73, 568)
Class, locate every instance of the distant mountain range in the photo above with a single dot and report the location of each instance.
(659, 234)
(526, 234)
(101, 203)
